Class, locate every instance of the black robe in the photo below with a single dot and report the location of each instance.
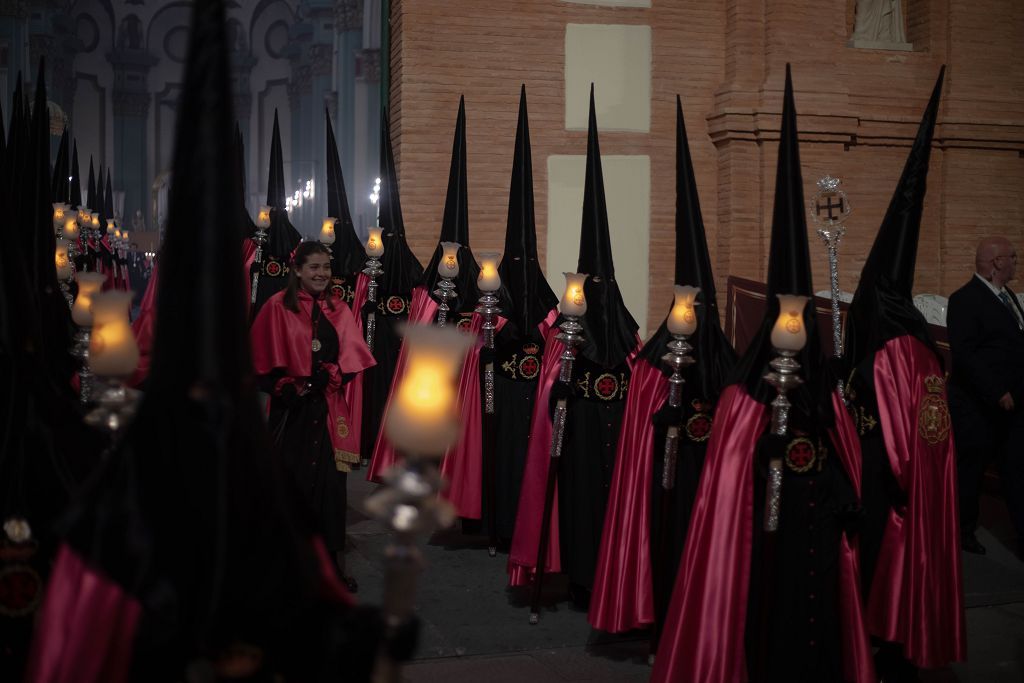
(670, 509)
(593, 419)
(793, 611)
(300, 430)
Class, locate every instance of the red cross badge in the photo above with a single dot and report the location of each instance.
(21, 589)
(800, 454)
(698, 427)
(529, 366)
(396, 305)
(273, 268)
(606, 386)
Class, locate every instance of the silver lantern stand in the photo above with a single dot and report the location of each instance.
(784, 378)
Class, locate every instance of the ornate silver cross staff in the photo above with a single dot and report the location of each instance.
(829, 210)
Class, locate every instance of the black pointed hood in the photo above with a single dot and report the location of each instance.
(282, 235)
(455, 224)
(608, 327)
(883, 306)
(402, 270)
(101, 198)
(76, 178)
(59, 182)
(789, 272)
(275, 174)
(348, 253)
(53, 310)
(91, 187)
(108, 200)
(526, 297)
(715, 356)
(198, 435)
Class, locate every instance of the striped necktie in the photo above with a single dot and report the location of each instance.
(1005, 298)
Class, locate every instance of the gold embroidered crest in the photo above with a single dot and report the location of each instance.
(341, 428)
(933, 419)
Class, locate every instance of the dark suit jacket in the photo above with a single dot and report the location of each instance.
(987, 346)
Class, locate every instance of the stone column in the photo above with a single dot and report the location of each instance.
(131, 102)
(348, 37)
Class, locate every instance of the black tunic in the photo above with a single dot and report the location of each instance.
(304, 442)
(516, 368)
(670, 509)
(392, 310)
(793, 622)
(585, 469)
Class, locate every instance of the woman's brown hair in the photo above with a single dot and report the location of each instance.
(299, 258)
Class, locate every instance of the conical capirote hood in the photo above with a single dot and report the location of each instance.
(883, 306)
(789, 272)
(349, 256)
(526, 297)
(609, 328)
(715, 356)
(455, 224)
(402, 270)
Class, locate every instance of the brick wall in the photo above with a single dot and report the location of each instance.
(726, 58)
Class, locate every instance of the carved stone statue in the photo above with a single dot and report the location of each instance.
(879, 25)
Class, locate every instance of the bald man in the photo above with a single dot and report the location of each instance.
(986, 388)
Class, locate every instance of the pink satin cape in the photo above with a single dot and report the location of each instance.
(282, 339)
(703, 639)
(86, 628)
(462, 466)
(623, 593)
(522, 557)
(143, 327)
(354, 389)
(917, 594)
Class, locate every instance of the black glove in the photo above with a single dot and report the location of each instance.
(669, 416)
(559, 391)
(770, 447)
(368, 307)
(287, 394)
(486, 356)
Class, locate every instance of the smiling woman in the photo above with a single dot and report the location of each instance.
(306, 346)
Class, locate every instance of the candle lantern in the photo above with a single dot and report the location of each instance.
(70, 232)
(89, 285)
(110, 227)
(112, 348)
(373, 270)
(788, 337)
(62, 262)
(448, 269)
(263, 217)
(573, 302)
(327, 235)
(58, 216)
(489, 282)
(422, 422)
(375, 242)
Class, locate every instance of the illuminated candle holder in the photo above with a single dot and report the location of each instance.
(327, 235)
(789, 336)
(65, 270)
(488, 282)
(422, 422)
(448, 269)
(681, 323)
(113, 357)
(59, 209)
(262, 225)
(373, 270)
(89, 285)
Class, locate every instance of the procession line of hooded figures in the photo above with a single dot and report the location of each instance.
(187, 551)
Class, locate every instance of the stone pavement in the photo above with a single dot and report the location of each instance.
(474, 629)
